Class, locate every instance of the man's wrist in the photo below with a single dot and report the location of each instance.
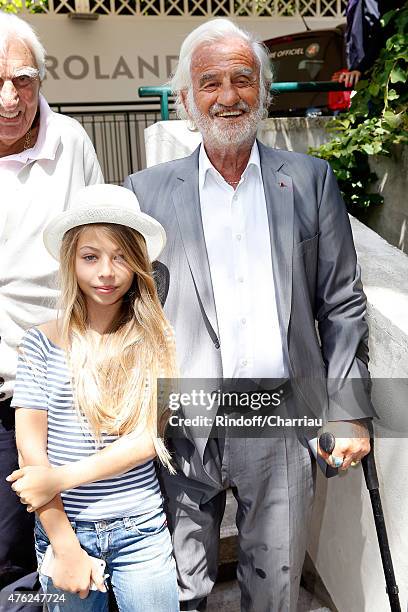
(352, 428)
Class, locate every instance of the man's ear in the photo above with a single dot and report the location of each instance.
(183, 96)
(190, 122)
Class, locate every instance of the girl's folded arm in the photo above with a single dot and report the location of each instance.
(123, 454)
(39, 483)
(73, 569)
(31, 439)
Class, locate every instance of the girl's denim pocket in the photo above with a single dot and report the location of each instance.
(41, 541)
(145, 525)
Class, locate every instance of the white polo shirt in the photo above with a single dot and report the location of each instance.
(238, 244)
(36, 185)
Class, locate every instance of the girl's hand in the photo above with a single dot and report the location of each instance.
(35, 485)
(74, 571)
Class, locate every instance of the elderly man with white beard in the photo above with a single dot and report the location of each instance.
(259, 250)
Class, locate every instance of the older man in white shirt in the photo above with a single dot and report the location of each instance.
(239, 254)
(44, 159)
(259, 249)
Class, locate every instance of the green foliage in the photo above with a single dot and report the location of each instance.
(16, 6)
(10, 6)
(377, 119)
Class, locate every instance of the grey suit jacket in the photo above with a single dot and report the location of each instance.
(321, 304)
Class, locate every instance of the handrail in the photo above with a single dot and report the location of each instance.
(164, 92)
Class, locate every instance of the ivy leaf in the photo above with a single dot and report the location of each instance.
(376, 198)
(398, 75)
(392, 94)
(368, 148)
(392, 119)
(374, 89)
(361, 85)
(388, 68)
(377, 146)
(387, 17)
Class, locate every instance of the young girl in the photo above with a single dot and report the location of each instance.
(87, 382)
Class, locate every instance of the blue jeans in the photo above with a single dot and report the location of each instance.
(139, 561)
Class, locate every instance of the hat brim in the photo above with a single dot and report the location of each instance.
(151, 230)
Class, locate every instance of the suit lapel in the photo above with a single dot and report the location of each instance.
(186, 203)
(278, 189)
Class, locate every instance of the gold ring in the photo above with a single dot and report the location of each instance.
(354, 463)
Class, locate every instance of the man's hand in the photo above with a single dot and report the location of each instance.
(35, 485)
(352, 442)
(349, 77)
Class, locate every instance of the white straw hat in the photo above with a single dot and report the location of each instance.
(105, 204)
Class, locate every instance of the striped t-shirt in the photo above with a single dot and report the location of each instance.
(43, 382)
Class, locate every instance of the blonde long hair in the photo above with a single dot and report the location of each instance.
(115, 380)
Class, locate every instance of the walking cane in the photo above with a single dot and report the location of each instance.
(327, 442)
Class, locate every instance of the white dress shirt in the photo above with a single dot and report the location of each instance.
(238, 244)
(36, 185)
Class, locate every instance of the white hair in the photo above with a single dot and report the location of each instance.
(209, 32)
(14, 28)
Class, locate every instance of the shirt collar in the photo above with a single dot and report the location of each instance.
(47, 142)
(205, 165)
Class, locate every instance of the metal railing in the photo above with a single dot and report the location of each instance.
(116, 130)
(164, 92)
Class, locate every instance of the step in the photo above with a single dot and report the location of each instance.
(226, 598)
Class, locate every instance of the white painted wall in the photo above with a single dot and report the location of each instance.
(343, 543)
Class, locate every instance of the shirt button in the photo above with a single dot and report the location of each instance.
(243, 321)
(238, 236)
(244, 362)
(240, 279)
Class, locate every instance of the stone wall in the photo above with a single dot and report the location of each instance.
(391, 219)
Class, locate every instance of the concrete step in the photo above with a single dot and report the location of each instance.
(226, 598)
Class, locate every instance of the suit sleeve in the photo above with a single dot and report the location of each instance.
(341, 310)
(134, 184)
(128, 183)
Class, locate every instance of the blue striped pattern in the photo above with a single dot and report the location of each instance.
(43, 383)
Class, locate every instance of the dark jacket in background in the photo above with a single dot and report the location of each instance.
(364, 35)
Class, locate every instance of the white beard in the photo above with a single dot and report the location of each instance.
(233, 132)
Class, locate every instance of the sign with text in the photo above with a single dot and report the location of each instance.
(108, 59)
